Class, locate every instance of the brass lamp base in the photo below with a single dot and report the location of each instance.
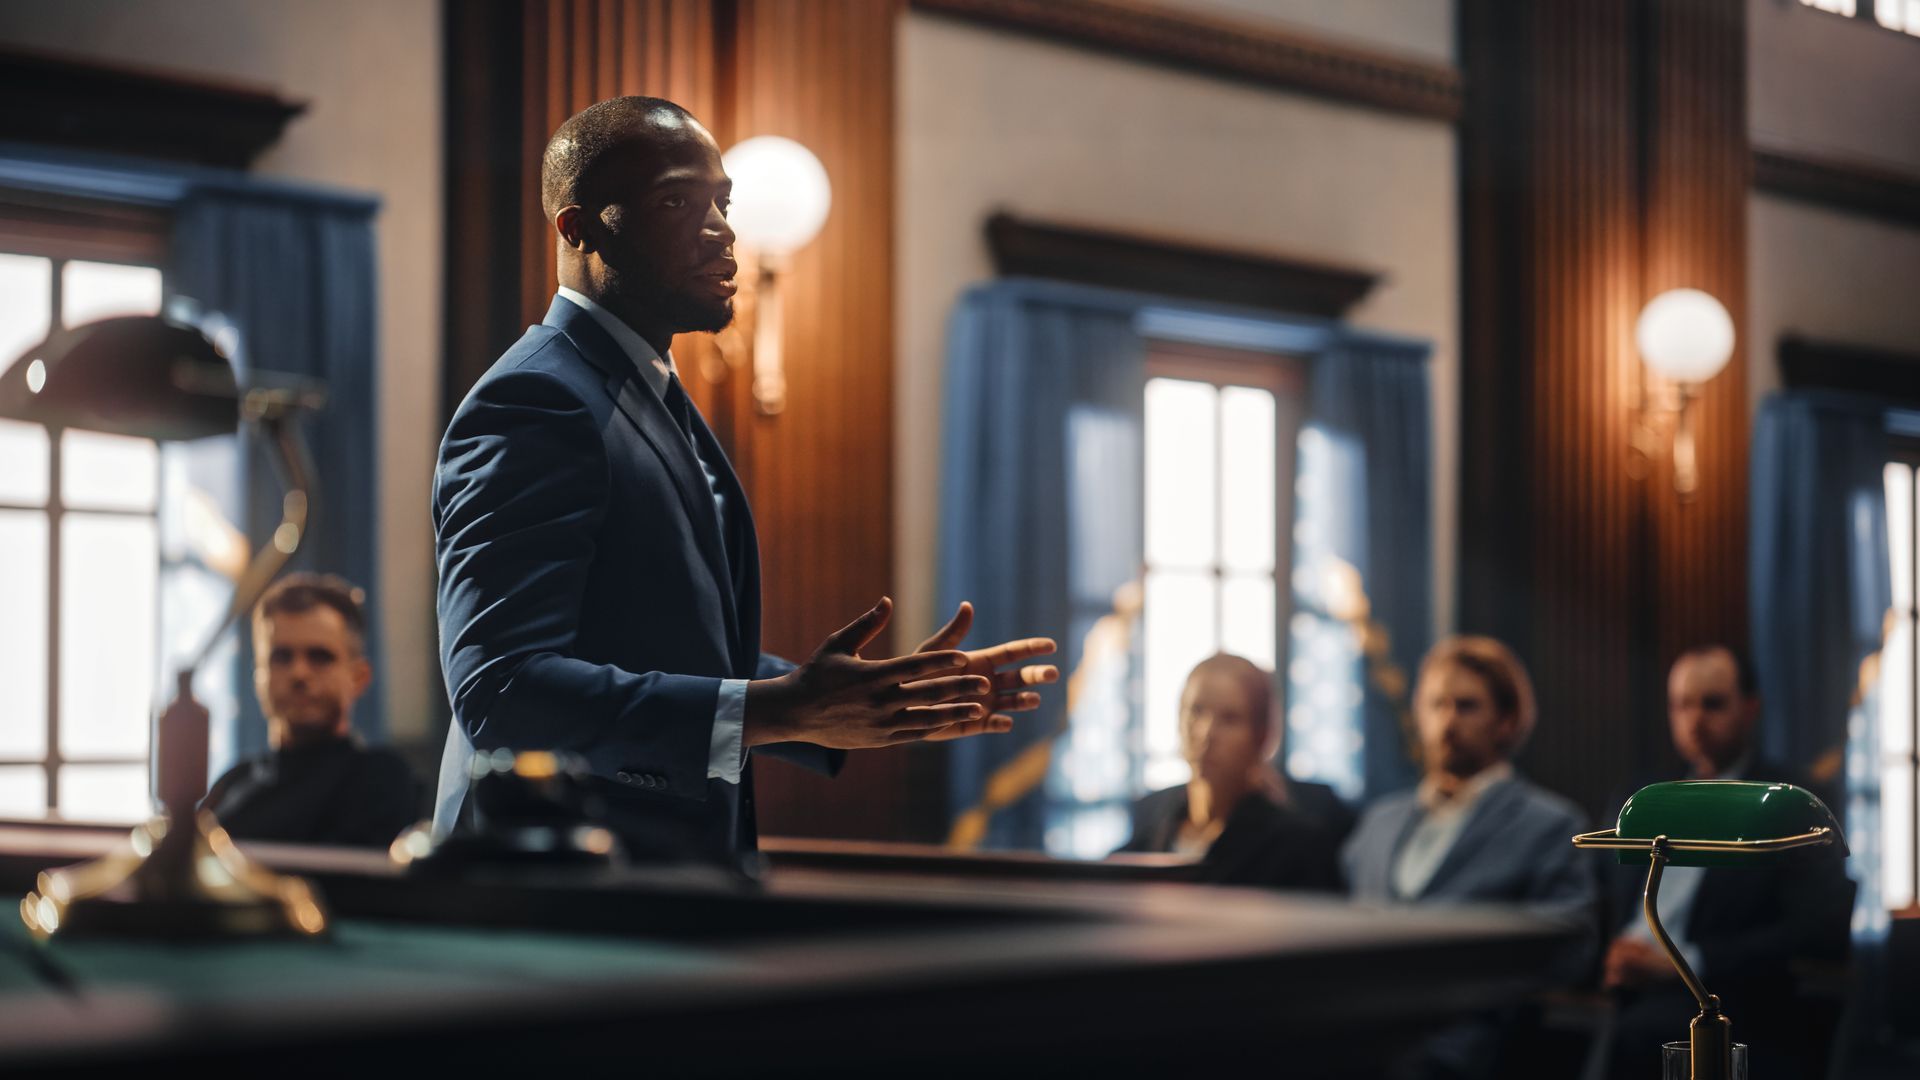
(173, 883)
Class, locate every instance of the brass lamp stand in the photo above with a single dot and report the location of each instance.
(179, 874)
(1724, 818)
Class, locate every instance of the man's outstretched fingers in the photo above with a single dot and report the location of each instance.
(915, 666)
(1017, 701)
(1024, 649)
(936, 691)
(1031, 675)
(935, 716)
(855, 636)
(954, 632)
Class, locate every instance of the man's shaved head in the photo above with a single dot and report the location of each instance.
(593, 138)
(638, 198)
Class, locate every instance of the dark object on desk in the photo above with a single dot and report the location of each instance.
(532, 809)
(336, 792)
(1263, 842)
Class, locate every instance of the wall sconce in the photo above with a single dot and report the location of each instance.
(780, 200)
(1685, 338)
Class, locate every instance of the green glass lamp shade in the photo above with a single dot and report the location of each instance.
(141, 375)
(1741, 811)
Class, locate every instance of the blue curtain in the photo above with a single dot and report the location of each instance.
(295, 278)
(1819, 574)
(1040, 492)
(1367, 435)
(291, 267)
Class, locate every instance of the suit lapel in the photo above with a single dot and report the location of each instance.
(1483, 821)
(656, 426)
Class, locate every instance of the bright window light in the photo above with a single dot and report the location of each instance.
(108, 472)
(109, 570)
(1896, 694)
(23, 634)
(23, 791)
(1182, 440)
(92, 290)
(105, 793)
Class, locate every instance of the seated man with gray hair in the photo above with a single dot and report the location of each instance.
(318, 784)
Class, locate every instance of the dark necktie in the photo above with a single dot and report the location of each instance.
(681, 407)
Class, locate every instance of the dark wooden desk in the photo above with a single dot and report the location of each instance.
(855, 970)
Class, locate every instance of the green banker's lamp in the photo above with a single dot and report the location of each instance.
(1711, 823)
(180, 874)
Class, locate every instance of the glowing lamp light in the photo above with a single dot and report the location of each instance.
(780, 200)
(1685, 335)
(780, 194)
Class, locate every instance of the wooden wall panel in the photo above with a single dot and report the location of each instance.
(819, 475)
(1603, 162)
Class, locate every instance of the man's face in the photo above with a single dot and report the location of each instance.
(1712, 721)
(308, 672)
(1461, 730)
(1220, 736)
(658, 221)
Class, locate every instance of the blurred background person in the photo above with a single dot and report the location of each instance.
(1474, 830)
(318, 784)
(1244, 821)
(1768, 939)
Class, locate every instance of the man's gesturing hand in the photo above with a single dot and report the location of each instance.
(1008, 691)
(838, 700)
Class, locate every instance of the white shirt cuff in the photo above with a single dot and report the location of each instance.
(725, 754)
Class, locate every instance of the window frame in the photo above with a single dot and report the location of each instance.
(64, 230)
(1906, 451)
(1284, 375)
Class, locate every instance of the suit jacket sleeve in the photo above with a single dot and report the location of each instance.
(519, 497)
(1811, 921)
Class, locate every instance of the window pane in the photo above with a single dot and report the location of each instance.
(23, 791)
(1247, 454)
(23, 632)
(1181, 445)
(1246, 619)
(90, 290)
(108, 472)
(23, 463)
(112, 793)
(1179, 617)
(26, 304)
(1896, 773)
(1899, 488)
(109, 566)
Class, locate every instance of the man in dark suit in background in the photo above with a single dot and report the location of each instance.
(318, 784)
(599, 572)
(1752, 934)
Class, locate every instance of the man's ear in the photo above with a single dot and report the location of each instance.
(571, 223)
(362, 675)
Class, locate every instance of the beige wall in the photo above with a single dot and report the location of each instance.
(1419, 29)
(991, 120)
(1842, 88)
(370, 73)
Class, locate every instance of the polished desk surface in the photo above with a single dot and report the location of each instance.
(978, 961)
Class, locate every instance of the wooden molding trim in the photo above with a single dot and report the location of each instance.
(1172, 268)
(1247, 51)
(1854, 186)
(1807, 364)
(127, 110)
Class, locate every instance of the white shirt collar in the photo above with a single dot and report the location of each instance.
(654, 368)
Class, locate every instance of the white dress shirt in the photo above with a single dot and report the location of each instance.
(726, 754)
(1426, 847)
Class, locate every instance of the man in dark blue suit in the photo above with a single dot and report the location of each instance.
(599, 573)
